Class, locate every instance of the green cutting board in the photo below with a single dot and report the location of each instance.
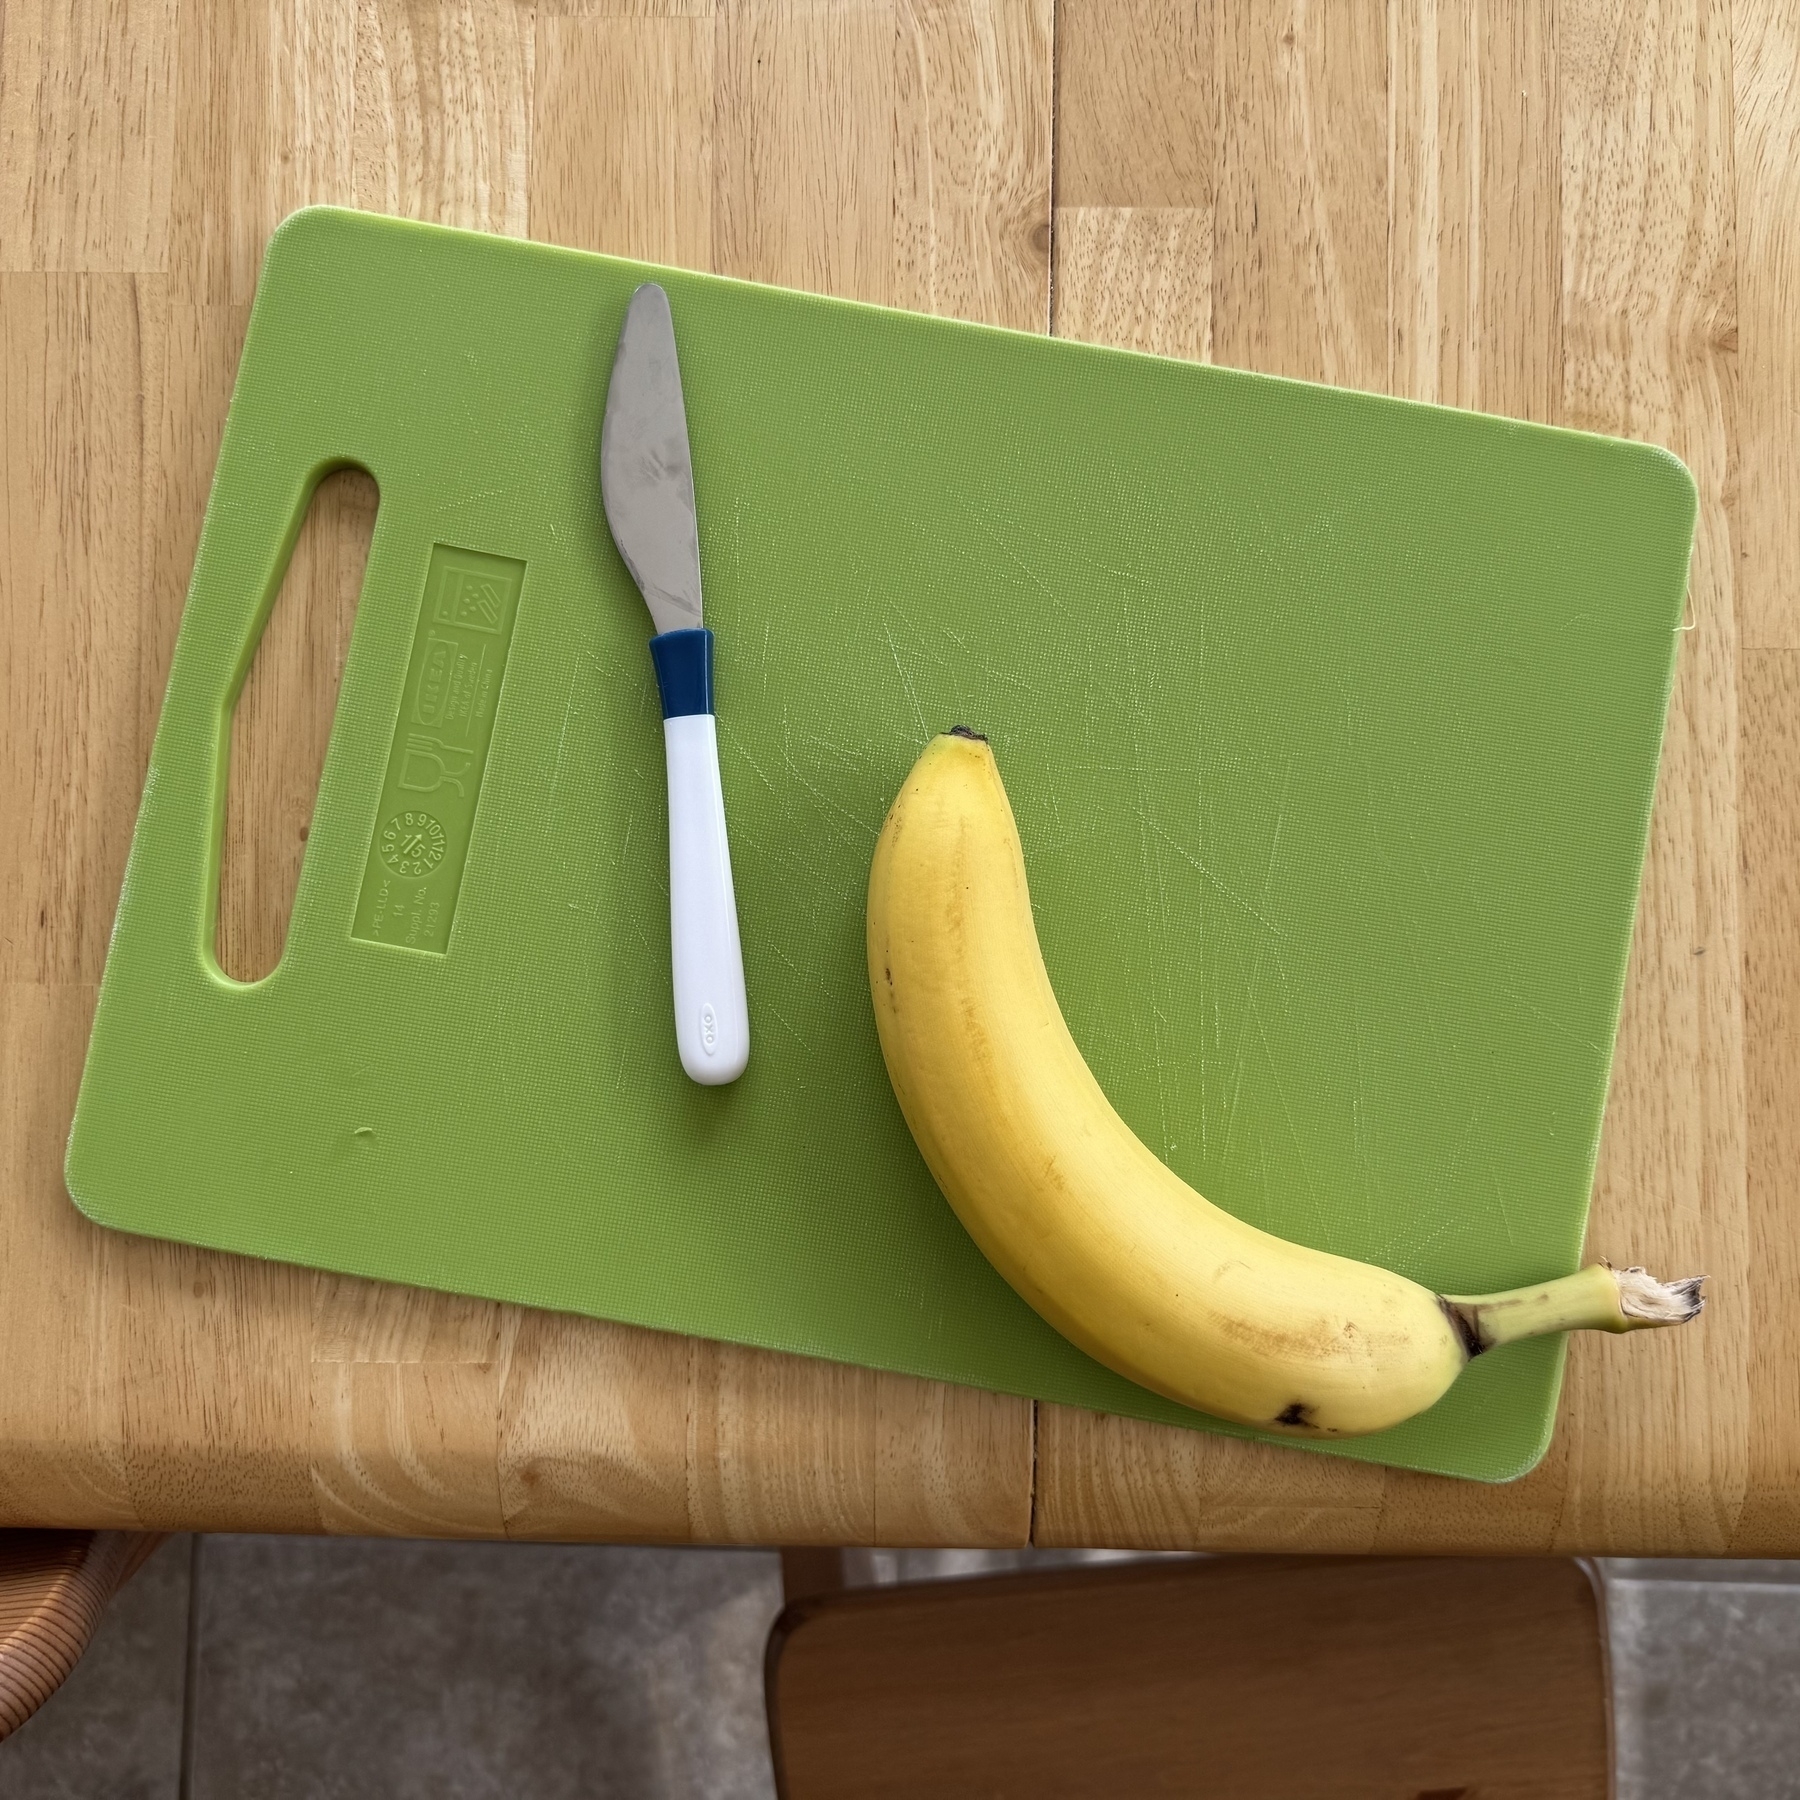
(1331, 723)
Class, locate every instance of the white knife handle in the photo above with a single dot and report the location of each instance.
(712, 1018)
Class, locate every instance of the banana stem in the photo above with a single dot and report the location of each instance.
(1597, 1298)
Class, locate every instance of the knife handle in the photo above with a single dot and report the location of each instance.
(712, 1016)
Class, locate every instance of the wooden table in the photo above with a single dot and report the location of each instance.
(1572, 210)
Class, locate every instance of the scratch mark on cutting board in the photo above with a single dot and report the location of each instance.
(918, 636)
(798, 1039)
(1230, 893)
(562, 743)
(737, 746)
(1551, 1020)
(905, 680)
(1396, 1251)
(1243, 1032)
(824, 802)
(1012, 556)
(1286, 1110)
(1500, 1195)
(844, 750)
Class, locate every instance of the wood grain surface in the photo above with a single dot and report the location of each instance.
(1282, 1678)
(1572, 210)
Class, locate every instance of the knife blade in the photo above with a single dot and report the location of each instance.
(647, 492)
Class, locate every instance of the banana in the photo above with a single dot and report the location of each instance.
(1090, 1227)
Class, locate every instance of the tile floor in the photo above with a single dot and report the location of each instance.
(1706, 1679)
(344, 1669)
(350, 1669)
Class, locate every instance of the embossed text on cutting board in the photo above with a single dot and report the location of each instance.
(440, 750)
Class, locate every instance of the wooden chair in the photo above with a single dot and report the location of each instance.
(1257, 1678)
(54, 1585)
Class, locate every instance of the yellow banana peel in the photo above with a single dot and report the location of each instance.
(1091, 1227)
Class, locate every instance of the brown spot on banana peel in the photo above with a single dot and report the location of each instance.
(1297, 1417)
(1315, 1339)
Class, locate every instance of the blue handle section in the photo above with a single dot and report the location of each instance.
(683, 671)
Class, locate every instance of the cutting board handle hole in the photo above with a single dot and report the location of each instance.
(282, 724)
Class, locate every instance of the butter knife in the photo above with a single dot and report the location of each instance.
(647, 488)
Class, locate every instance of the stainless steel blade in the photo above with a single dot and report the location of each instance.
(646, 468)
